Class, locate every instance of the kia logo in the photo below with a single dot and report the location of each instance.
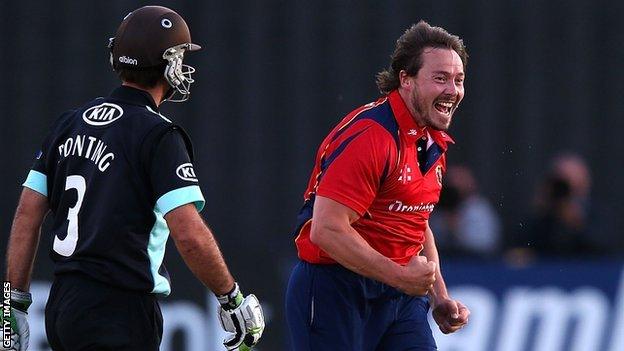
(102, 114)
(186, 172)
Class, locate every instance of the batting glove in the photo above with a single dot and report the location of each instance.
(20, 333)
(241, 316)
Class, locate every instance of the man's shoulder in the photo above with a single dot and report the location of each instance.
(147, 113)
(116, 116)
(103, 111)
(375, 117)
(381, 114)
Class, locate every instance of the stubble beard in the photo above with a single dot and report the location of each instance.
(423, 114)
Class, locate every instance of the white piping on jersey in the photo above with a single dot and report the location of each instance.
(158, 113)
(312, 311)
(398, 162)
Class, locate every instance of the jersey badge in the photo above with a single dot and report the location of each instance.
(102, 114)
(186, 172)
(406, 174)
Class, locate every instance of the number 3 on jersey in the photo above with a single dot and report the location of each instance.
(67, 246)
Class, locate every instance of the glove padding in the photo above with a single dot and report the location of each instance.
(20, 332)
(246, 321)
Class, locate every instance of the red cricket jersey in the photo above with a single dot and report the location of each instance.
(369, 163)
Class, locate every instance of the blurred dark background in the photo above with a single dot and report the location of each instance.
(543, 78)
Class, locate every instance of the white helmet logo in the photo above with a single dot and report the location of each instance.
(166, 23)
(128, 60)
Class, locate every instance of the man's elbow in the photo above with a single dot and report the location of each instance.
(187, 234)
(31, 208)
(187, 241)
(320, 235)
(315, 235)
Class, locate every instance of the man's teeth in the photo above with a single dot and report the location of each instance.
(444, 107)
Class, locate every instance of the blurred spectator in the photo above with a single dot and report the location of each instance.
(564, 221)
(464, 222)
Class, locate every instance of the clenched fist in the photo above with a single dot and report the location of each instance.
(418, 276)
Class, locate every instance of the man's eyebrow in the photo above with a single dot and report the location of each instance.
(447, 73)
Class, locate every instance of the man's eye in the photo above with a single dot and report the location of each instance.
(440, 79)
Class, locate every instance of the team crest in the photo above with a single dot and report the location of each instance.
(406, 174)
(438, 172)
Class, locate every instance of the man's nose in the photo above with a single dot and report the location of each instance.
(451, 88)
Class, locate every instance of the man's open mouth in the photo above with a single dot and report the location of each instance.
(444, 107)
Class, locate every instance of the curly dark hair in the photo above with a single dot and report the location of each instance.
(408, 53)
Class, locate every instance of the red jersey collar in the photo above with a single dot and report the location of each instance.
(408, 126)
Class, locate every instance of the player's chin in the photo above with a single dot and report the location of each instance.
(441, 122)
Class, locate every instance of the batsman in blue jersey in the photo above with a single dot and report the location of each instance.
(117, 178)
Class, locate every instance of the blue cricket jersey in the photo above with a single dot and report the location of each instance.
(111, 170)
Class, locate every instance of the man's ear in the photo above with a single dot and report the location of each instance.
(404, 79)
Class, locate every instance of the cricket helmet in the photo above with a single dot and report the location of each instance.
(154, 36)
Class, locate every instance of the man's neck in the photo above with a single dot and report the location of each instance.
(157, 92)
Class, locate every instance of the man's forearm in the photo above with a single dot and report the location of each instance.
(24, 238)
(202, 255)
(431, 252)
(199, 248)
(21, 255)
(348, 248)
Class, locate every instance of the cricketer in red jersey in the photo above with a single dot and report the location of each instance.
(368, 256)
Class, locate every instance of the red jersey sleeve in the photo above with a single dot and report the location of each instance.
(355, 163)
